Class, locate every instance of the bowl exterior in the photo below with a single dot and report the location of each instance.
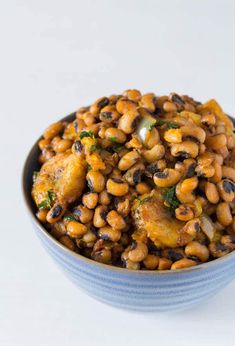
(133, 290)
(140, 290)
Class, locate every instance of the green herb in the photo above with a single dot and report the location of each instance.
(169, 124)
(47, 203)
(35, 174)
(144, 200)
(113, 139)
(151, 126)
(118, 148)
(170, 197)
(95, 147)
(70, 217)
(86, 134)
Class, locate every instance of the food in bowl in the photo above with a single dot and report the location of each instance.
(140, 181)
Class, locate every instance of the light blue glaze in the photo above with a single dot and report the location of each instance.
(141, 290)
(123, 288)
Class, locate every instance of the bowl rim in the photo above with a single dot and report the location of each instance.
(29, 203)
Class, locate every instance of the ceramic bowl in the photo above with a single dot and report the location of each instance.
(130, 289)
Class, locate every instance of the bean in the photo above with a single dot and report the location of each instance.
(128, 160)
(151, 262)
(164, 264)
(194, 248)
(90, 199)
(139, 253)
(223, 213)
(117, 187)
(53, 130)
(99, 219)
(115, 135)
(109, 233)
(96, 181)
(183, 263)
(115, 220)
(167, 178)
(67, 241)
(76, 229)
(211, 193)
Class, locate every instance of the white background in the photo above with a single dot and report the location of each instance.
(54, 57)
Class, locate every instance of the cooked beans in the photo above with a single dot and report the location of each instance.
(145, 182)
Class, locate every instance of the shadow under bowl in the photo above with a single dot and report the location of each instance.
(129, 289)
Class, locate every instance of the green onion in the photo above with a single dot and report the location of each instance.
(70, 217)
(169, 196)
(86, 134)
(113, 139)
(169, 124)
(95, 147)
(47, 203)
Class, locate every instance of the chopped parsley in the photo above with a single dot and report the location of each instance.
(86, 134)
(70, 217)
(170, 197)
(47, 203)
(95, 147)
(113, 139)
(169, 124)
(151, 126)
(118, 148)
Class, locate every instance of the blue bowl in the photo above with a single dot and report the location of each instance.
(130, 289)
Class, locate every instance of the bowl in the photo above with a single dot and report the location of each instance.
(130, 289)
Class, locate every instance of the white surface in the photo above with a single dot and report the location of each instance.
(56, 56)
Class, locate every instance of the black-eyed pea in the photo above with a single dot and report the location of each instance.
(228, 172)
(58, 229)
(115, 220)
(228, 241)
(83, 214)
(218, 249)
(189, 184)
(123, 206)
(115, 135)
(99, 219)
(151, 262)
(223, 151)
(117, 187)
(185, 149)
(223, 213)
(138, 252)
(183, 263)
(167, 178)
(173, 135)
(217, 176)
(98, 105)
(109, 233)
(169, 107)
(134, 174)
(53, 130)
(152, 138)
(164, 264)
(226, 190)
(184, 213)
(202, 148)
(55, 213)
(128, 160)
(188, 197)
(148, 101)
(132, 265)
(90, 199)
(95, 181)
(67, 241)
(102, 256)
(132, 94)
(192, 227)
(178, 101)
(42, 215)
(104, 198)
(205, 171)
(128, 122)
(173, 254)
(154, 154)
(143, 188)
(46, 155)
(211, 193)
(216, 142)
(109, 114)
(44, 143)
(76, 229)
(125, 105)
(194, 248)
(193, 133)
(62, 145)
